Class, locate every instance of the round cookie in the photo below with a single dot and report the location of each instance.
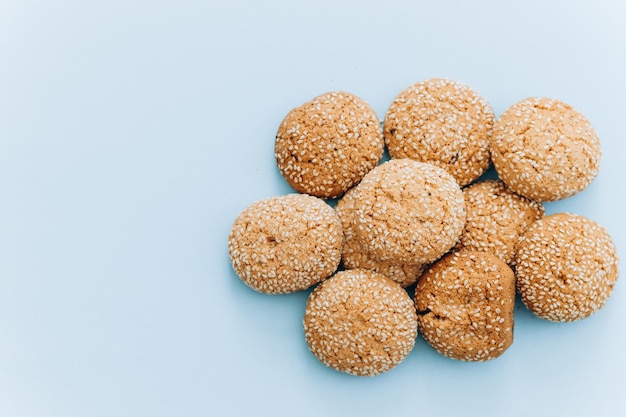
(408, 212)
(496, 219)
(355, 254)
(360, 322)
(465, 304)
(545, 150)
(442, 122)
(327, 145)
(285, 244)
(566, 267)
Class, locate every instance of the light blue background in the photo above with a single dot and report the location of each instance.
(133, 132)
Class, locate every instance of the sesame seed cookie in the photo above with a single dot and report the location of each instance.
(465, 304)
(285, 244)
(360, 322)
(408, 212)
(442, 122)
(355, 254)
(545, 150)
(327, 145)
(496, 219)
(566, 267)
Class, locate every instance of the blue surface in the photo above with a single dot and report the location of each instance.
(133, 132)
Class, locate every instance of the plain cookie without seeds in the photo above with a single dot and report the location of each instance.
(360, 322)
(328, 144)
(285, 244)
(545, 150)
(465, 304)
(408, 212)
(442, 122)
(566, 267)
(356, 255)
(496, 219)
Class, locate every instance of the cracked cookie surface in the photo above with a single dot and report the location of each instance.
(356, 255)
(465, 304)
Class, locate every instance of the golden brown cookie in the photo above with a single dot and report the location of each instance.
(355, 254)
(496, 219)
(285, 244)
(360, 322)
(442, 122)
(465, 304)
(566, 267)
(327, 145)
(545, 150)
(408, 212)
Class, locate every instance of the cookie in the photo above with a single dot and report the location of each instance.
(360, 322)
(408, 212)
(566, 267)
(356, 255)
(545, 150)
(327, 145)
(496, 219)
(285, 244)
(465, 304)
(442, 122)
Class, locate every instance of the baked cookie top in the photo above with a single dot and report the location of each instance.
(566, 267)
(409, 212)
(286, 243)
(465, 303)
(443, 122)
(326, 145)
(360, 322)
(545, 150)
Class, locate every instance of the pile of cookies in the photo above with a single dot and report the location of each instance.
(425, 218)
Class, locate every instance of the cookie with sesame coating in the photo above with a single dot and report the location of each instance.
(544, 149)
(465, 303)
(285, 244)
(408, 212)
(328, 144)
(496, 219)
(566, 267)
(355, 255)
(360, 322)
(443, 122)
